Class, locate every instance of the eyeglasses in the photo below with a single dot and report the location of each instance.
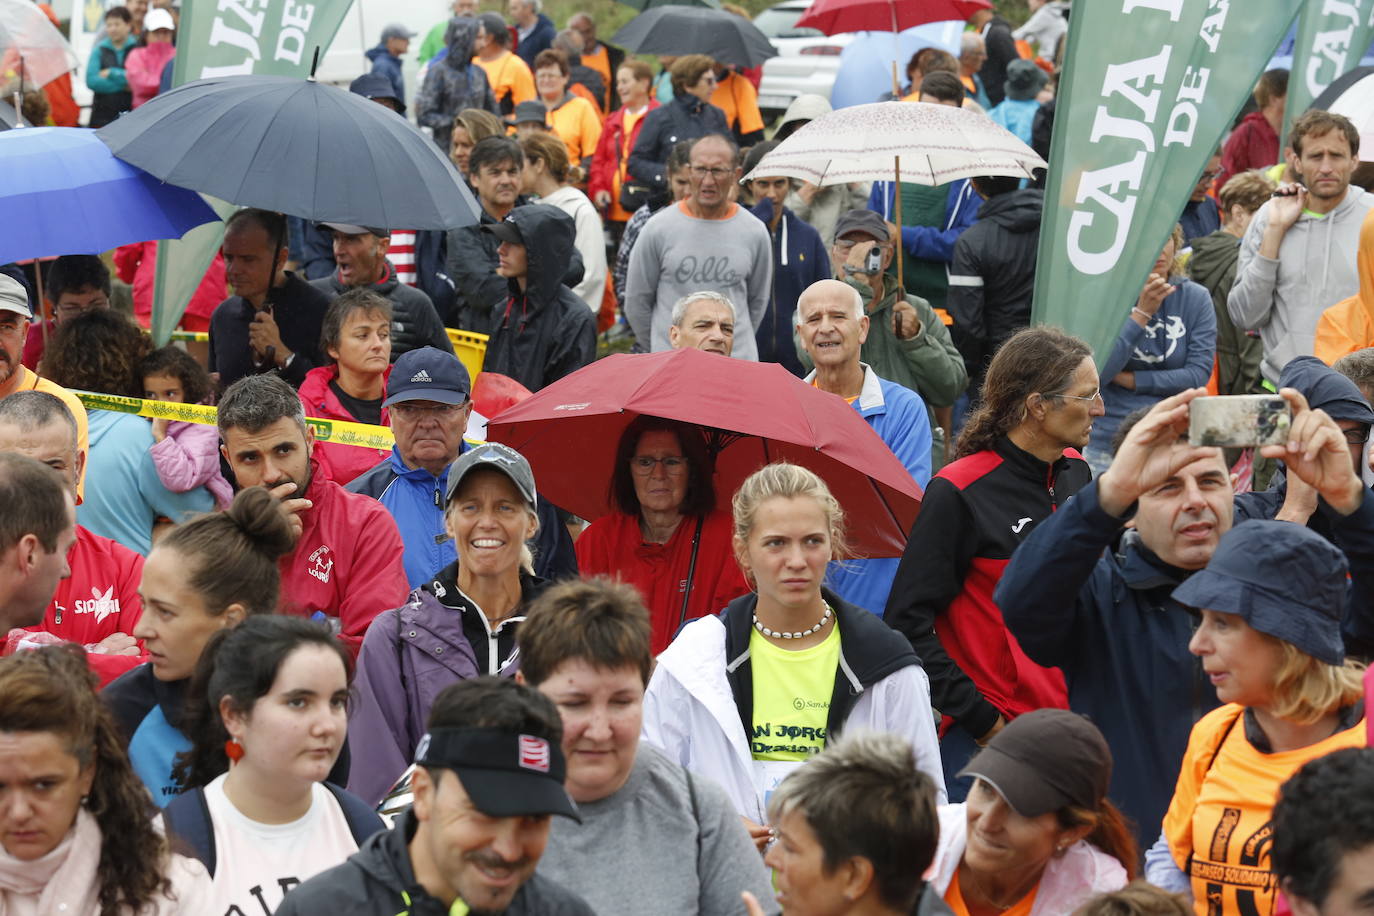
(416, 412)
(701, 171)
(1357, 436)
(643, 465)
(1078, 397)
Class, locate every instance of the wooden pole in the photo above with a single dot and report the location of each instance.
(897, 212)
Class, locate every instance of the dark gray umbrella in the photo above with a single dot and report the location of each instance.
(642, 5)
(296, 146)
(680, 30)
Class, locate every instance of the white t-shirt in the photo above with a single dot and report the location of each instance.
(256, 864)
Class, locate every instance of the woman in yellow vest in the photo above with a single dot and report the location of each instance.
(1271, 600)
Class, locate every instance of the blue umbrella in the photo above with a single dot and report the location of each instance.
(866, 63)
(296, 146)
(63, 192)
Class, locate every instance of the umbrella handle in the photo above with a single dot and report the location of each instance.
(691, 573)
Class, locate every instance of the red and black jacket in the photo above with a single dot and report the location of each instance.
(973, 515)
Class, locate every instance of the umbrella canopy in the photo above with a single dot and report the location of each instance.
(643, 5)
(835, 16)
(754, 413)
(296, 146)
(866, 62)
(63, 192)
(936, 143)
(680, 30)
(1352, 95)
(30, 47)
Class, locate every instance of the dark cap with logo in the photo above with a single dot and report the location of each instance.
(506, 231)
(495, 457)
(428, 374)
(865, 221)
(506, 774)
(1046, 760)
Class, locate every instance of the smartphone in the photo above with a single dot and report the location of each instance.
(1239, 421)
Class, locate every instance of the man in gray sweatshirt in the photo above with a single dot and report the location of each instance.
(1298, 257)
(704, 242)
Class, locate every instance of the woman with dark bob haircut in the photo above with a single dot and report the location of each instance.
(664, 499)
(77, 827)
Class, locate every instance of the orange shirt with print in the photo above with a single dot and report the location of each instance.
(1219, 824)
(738, 98)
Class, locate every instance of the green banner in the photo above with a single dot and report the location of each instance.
(1150, 87)
(226, 38)
(1332, 36)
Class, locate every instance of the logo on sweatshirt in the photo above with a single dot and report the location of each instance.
(101, 604)
(321, 563)
(1016, 529)
(1173, 330)
(421, 376)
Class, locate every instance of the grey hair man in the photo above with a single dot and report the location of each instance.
(704, 320)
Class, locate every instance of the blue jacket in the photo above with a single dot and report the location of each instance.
(415, 499)
(933, 243)
(799, 259)
(1080, 595)
(1173, 352)
(899, 417)
(1017, 116)
(388, 65)
(537, 40)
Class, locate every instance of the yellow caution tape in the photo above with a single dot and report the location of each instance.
(338, 432)
(198, 336)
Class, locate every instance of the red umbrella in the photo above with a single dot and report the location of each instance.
(751, 414)
(835, 16)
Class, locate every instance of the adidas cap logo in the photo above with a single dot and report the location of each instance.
(421, 376)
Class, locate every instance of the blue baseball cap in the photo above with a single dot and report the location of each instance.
(428, 374)
(1280, 578)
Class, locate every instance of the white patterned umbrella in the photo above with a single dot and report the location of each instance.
(935, 144)
(31, 48)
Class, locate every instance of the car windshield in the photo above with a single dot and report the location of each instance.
(781, 22)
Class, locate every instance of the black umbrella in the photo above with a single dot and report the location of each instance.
(642, 5)
(680, 30)
(295, 146)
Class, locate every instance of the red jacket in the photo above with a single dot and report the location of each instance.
(1252, 145)
(98, 600)
(342, 463)
(136, 265)
(611, 151)
(347, 563)
(614, 546)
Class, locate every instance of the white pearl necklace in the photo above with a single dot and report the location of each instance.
(758, 625)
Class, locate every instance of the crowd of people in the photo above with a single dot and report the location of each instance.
(1112, 671)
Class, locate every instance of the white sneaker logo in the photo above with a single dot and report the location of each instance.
(1016, 529)
(421, 376)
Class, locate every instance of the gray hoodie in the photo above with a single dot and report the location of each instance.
(1315, 269)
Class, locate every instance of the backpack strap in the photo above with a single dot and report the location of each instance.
(1188, 869)
(362, 820)
(188, 819)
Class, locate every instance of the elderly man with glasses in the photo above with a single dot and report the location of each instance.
(705, 242)
(429, 401)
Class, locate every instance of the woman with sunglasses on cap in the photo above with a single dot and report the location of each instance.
(1271, 600)
(1037, 836)
(77, 836)
(460, 625)
(747, 696)
(267, 714)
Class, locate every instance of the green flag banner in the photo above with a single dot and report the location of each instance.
(224, 38)
(1332, 36)
(1149, 88)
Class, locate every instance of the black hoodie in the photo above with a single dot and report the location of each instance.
(379, 880)
(545, 331)
(992, 276)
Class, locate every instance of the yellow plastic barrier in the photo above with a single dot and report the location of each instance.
(334, 431)
(471, 348)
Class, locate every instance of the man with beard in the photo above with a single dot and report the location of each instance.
(15, 316)
(1092, 596)
(487, 781)
(1298, 257)
(346, 567)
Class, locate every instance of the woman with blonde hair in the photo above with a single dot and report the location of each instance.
(1271, 600)
(472, 126)
(75, 824)
(547, 174)
(747, 696)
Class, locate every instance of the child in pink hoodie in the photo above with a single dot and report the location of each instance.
(186, 455)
